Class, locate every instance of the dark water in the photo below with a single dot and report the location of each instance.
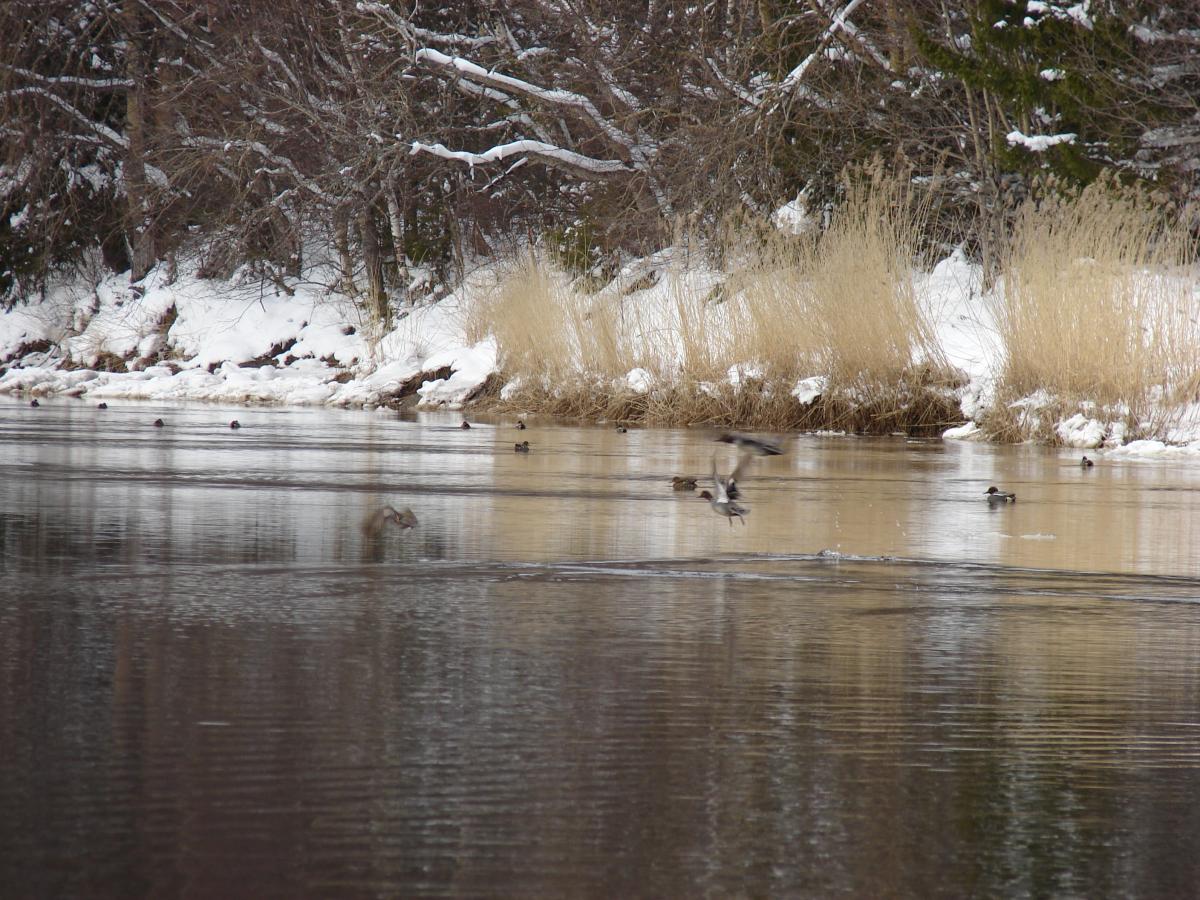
(569, 680)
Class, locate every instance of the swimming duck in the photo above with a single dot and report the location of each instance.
(522, 447)
(621, 429)
(102, 405)
(751, 444)
(465, 425)
(34, 403)
(374, 523)
(680, 483)
(1086, 463)
(520, 425)
(235, 424)
(159, 423)
(997, 496)
(724, 503)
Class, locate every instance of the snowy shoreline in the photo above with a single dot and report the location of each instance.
(248, 343)
(200, 340)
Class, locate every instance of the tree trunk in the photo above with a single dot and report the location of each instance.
(396, 224)
(139, 221)
(373, 261)
(341, 243)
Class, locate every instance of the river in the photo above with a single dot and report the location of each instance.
(569, 679)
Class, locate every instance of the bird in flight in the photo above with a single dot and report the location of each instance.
(724, 501)
(750, 444)
(375, 521)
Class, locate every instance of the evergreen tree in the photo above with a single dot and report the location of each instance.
(1063, 72)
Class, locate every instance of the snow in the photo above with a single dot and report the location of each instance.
(794, 218)
(1038, 143)
(741, 373)
(970, 431)
(241, 341)
(471, 365)
(1147, 449)
(809, 389)
(1080, 13)
(953, 298)
(639, 381)
(1080, 431)
(235, 342)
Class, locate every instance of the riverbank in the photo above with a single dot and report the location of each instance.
(669, 340)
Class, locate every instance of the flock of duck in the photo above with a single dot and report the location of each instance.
(157, 423)
(723, 498)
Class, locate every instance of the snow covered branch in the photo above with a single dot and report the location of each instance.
(548, 152)
(95, 84)
(118, 140)
(837, 21)
(265, 152)
(1037, 143)
(553, 96)
(414, 35)
(639, 151)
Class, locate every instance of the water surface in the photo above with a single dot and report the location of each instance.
(570, 679)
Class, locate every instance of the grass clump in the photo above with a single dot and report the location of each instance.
(546, 330)
(1094, 311)
(728, 348)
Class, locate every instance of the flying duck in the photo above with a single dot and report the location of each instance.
(724, 502)
(374, 523)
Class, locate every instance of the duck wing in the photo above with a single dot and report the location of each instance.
(731, 486)
(720, 491)
(373, 524)
(751, 443)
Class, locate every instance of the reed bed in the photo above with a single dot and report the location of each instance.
(1094, 313)
(842, 308)
(1090, 304)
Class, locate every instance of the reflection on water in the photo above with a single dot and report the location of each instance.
(570, 679)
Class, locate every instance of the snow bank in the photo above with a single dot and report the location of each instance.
(232, 342)
(240, 341)
(1154, 450)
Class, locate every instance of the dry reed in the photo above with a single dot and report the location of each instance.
(842, 307)
(1093, 310)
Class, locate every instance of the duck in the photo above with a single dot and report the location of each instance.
(995, 495)
(520, 424)
(522, 447)
(465, 425)
(724, 502)
(621, 429)
(159, 423)
(235, 424)
(403, 518)
(750, 444)
(34, 403)
(101, 405)
(1086, 463)
(680, 483)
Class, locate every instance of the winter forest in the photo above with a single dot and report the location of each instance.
(402, 133)
(394, 145)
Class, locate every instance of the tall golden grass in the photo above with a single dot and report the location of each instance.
(546, 329)
(842, 307)
(1093, 308)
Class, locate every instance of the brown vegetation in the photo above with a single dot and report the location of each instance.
(1097, 311)
(842, 307)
